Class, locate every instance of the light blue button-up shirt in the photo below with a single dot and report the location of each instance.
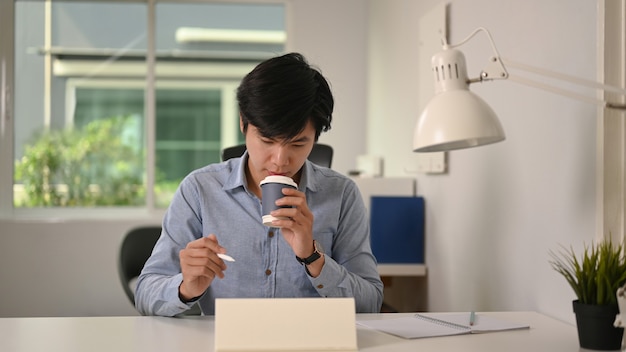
(215, 200)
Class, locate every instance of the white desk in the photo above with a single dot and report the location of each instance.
(156, 334)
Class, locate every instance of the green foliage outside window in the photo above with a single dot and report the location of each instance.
(97, 165)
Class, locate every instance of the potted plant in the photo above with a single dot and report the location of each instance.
(595, 277)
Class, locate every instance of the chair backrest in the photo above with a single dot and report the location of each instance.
(233, 152)
(135, 250)
(322, 154)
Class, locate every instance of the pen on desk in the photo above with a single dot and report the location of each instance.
(472, 318)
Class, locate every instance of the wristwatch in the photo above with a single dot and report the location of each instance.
(317, 254)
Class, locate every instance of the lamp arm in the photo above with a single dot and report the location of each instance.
(563, 92)
(564, 77)
(569, 79)
(496, 69)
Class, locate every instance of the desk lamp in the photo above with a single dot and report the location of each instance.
(456, 118)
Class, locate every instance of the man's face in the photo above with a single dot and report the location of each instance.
(269, 156)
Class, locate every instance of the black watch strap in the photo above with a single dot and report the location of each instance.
(187, 301)
(313, 257)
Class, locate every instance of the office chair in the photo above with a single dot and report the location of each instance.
(136, 248)
(321, 154)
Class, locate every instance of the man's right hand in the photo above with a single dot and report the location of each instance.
(200, 264)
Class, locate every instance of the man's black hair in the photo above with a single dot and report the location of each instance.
(280, 95)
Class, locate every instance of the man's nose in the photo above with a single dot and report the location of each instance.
(281, 155)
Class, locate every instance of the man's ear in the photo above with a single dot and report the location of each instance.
(241, 124)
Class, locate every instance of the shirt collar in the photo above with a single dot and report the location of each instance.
(237, 177)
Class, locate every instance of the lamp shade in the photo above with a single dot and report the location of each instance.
(455, 118)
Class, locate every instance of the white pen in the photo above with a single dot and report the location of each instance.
(226, 257)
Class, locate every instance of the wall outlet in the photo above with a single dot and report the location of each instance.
(431, 163)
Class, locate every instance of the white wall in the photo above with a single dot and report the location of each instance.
(493, 217)
(333, 36)
(64, 268)
(490, 220)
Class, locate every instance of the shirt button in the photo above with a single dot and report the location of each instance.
(270, 234)
(320, 286)
(268, 272)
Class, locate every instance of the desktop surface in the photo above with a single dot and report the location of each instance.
(69, 334)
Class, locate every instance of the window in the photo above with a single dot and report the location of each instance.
(193, 121)
(109, 113)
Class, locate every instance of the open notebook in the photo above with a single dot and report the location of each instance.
(440, 324)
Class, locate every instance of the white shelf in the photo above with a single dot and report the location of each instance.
(402, 269)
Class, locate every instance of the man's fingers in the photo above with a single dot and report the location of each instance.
(201, 252)
(208, 271)
(209, 242)
(201, 257)
(195, 267)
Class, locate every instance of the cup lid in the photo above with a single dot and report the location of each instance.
(279, 179)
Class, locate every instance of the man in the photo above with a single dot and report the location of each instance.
(322, 249)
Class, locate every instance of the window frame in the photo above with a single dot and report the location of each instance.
(229, 116)
(611, 124)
